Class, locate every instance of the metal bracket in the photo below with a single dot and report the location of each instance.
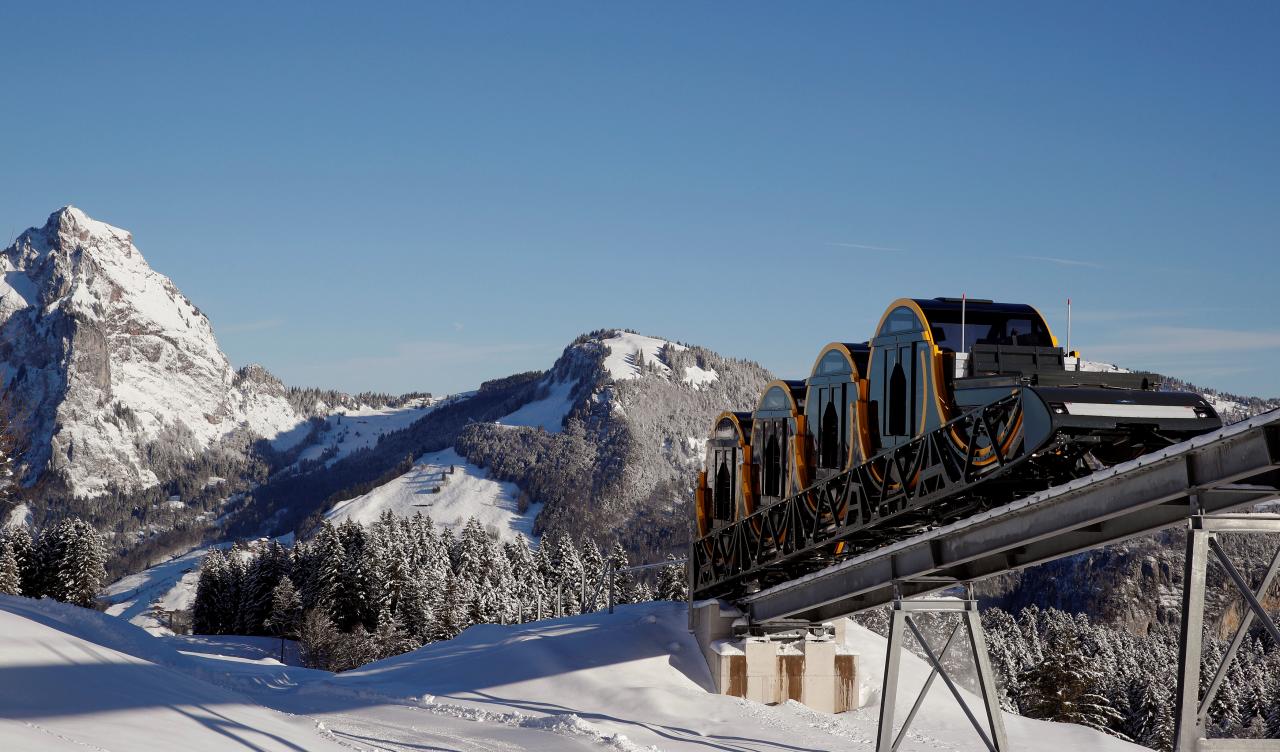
(993, 736)
(1191, 711)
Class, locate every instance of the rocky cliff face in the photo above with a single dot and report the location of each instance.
(105, 363)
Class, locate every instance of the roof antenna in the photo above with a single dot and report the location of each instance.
(1068, 326)
(963, 302)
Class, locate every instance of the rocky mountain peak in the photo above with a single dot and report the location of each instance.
(105, 359)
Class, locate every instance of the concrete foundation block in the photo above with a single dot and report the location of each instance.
(818, 672)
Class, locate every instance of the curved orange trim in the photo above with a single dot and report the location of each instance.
(744, 483)
(853, 365)
(1043, 320)
(786, 389)
(743, 438)
(799, 443)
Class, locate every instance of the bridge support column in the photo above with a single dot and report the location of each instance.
(1191, 711)
(993, 736)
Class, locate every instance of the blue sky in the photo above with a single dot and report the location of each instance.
(422, 196)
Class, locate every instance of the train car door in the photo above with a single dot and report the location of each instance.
(898, 378)
(724, 493)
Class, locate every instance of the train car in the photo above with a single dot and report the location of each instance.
(952, 407)
(835, 393)
(781, 440)
(930, 362)
(726, 488)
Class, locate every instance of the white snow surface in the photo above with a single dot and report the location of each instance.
(467, 492)
(547, 413)
(699, 377)
(348, 431)
(639, 674)
(63, 689)
(168, 586)
(633, 680)
(19, 516)
(621, 362)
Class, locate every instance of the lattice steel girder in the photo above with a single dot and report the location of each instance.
(878, 500)
(1229, 469)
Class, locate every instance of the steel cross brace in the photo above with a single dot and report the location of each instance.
(993, 737)
(1191, 711)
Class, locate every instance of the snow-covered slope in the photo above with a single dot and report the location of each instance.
(108, 359)
(630, 353)
(349, 430)
(168, 586)
(638, 675)
(627, 681)
(449, 490)
(61, 689)
(638, 407)
(547, 413)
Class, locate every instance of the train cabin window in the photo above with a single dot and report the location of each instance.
(772, 467)
(987, 328)
(834, 363)
(897, 401)
(829, 435)
(901, 320)
(724, 492)
(775, 399)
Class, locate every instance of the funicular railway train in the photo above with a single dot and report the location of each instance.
(954, 406)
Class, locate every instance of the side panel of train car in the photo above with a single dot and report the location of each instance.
(779, 436)
(835, 396)
(725, 490)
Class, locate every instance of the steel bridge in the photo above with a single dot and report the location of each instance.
(1198, 483)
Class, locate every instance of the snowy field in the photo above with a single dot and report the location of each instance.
(547, 413)
(627, 351)
(449, 499)
(76, 679)
(351, 430)
(170, 585)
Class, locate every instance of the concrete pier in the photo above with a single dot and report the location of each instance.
(817, 671)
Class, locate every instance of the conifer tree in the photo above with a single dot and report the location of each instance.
(263, 573)
(453, 616)
(567, 576)
(208, 611)
(1063, 687)
(73, 559)
(10, 576)
(449, 545)
(624, 581)
(673, 583)
(594, 587)
(527, 579)
(285, 618)
(414, 610)
(323, 564)
(18, 540)
(351, 595)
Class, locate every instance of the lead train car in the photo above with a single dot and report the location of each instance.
(928, 362)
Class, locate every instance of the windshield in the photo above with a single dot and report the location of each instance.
(987, 328)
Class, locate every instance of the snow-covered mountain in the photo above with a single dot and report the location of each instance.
(106, 363)
(609, 436)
